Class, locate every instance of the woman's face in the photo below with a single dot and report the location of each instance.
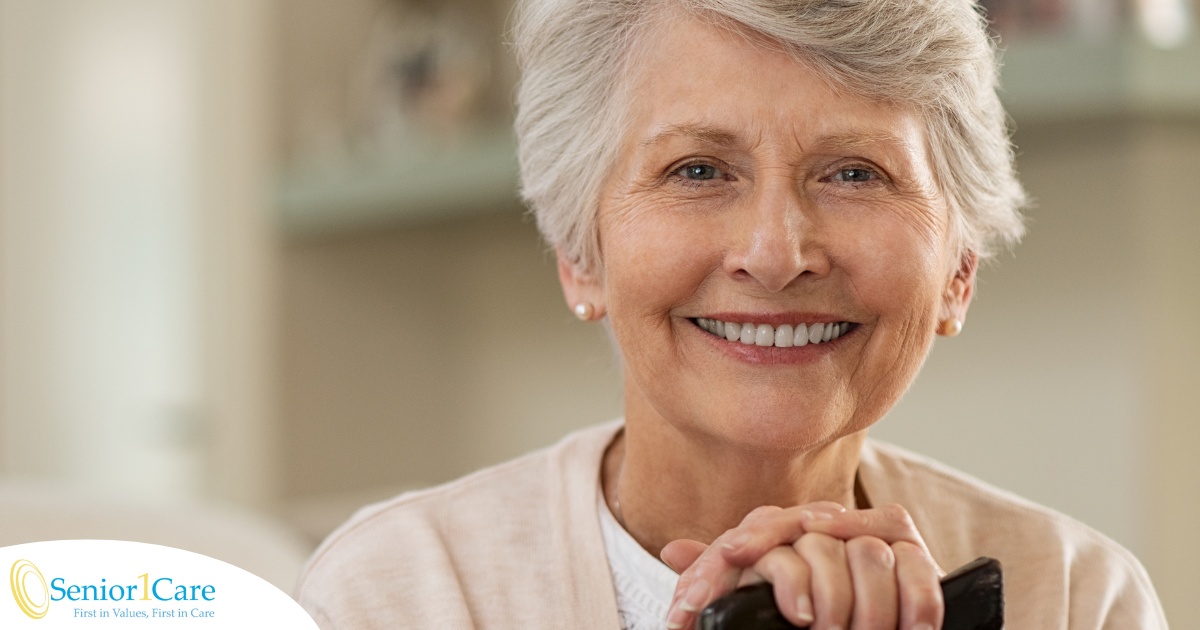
(747, 191)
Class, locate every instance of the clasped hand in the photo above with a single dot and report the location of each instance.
(829, 567)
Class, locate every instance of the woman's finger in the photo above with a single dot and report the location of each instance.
(717, 569)
(759, 513)
(750, 578)
(708, 578)
(791, 581)
(890, 523)
(832, 587)
(873, 572)
(920, 593)
(764, 530)
(681, 554)
(708, 575)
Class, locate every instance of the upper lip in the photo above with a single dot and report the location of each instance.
(775, 319)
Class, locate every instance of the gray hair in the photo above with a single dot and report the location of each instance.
(932, 55)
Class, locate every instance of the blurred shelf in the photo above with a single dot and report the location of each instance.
(1047, 78)
(423, 183)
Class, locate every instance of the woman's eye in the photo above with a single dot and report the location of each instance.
(855, 175)
(700, 172)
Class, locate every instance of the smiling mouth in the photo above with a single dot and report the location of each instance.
(783, 336)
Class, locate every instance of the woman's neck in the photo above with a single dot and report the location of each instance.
(663, 485)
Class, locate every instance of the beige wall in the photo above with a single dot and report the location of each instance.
(1167, 159)
(413, 356)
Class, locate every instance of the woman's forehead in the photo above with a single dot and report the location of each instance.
(702, 83)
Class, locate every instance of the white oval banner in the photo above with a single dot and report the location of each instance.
(116, 584)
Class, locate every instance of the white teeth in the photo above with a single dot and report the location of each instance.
(783, 336)
(765, 335)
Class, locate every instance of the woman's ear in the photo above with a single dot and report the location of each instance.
(583, 290)
(957, 297)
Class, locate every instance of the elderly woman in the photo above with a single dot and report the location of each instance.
(775, 205)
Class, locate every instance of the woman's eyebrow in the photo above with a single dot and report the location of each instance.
(699, 132)
(862, 139)
(844, 140)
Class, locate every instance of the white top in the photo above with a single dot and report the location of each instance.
(643, 583)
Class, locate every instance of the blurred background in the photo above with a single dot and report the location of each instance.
(261, 262)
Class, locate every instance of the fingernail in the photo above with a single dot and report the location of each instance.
(809, 515)
(675, 617)
(923, 626)
(696, 595)
(737, 541)
(804, 609)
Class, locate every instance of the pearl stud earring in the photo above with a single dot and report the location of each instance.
(950, 327)
(585, 311)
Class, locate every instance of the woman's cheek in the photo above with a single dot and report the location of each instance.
(899, 250)
(658, 254)
(896, 273)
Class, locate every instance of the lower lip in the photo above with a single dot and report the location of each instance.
(771, 355)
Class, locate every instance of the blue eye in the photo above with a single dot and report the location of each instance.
(855, 175)
(700, 172)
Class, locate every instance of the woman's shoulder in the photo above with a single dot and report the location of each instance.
(482, 500)
(1055, 566)
(444, 543)
(892, 474)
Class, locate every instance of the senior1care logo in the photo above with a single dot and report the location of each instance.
(115, 584)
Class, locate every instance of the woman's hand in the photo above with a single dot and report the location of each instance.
(830, 568)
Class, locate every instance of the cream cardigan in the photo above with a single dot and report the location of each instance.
(519, 546)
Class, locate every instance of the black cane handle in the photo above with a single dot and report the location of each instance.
(974, 596)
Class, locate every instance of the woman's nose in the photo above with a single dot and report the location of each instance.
(774, 240)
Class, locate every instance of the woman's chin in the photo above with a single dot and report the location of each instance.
(781, 433)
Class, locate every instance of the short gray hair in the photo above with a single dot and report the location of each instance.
(932, 55)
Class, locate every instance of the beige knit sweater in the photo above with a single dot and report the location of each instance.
(519, 546)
